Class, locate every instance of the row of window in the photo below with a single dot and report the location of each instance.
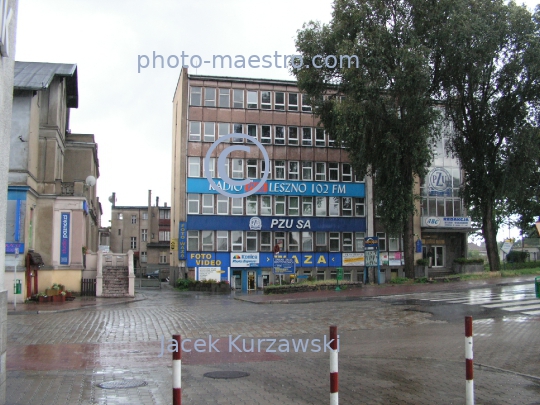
(163, 214)
(164, 236)
(265, 134)
(211, 204)
(251, 99)
(282, 169)
(163, 257)
(264, 241)
(442, 207)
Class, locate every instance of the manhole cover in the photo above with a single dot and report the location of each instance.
(226, 374)
(112, 385)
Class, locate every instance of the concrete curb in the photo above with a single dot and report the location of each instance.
(76, 309)
(301, 300)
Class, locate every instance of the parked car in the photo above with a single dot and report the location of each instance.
(154, 274)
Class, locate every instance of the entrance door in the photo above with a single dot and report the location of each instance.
(251, 280)
(438, 260)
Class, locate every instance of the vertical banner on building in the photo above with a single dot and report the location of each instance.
(64, 237)
(182, 241)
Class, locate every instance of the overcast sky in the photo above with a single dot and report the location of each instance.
(130, 113)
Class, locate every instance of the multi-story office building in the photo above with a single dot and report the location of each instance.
(146, 231)
(312, 207)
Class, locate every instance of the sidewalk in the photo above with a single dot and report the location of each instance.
(378, 290)
(77, 304)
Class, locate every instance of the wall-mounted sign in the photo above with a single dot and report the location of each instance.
(352, 259)
(439, 182)
(446, 222)
(284, 224)
(182, 241)
(280, 187)
(64, 237)
(244, 259)
(283, 265)
(208, 273)
(371, 242)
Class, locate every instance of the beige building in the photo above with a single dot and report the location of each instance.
(312, 208)
(52, 205)
(146, 231)
(8, 29)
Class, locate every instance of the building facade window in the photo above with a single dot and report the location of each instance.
(196, 96)
(145, 215)
(266, 205)
(237, 206)
(279, 170)
(164, 236)
(224, 98)
(238, 98)
(306, 107)
(306, 137)
(293, 136)
(266, 134)
(209, 97)
(208, 204)
(348, 241)
(252, 99)
(222, 205)
(133, 242)
(251, 205)
(320, 139)
(359, 207)
(193, 203)
(307, 171)
(382, 241)
(279, 100)
(333, 171)
(144, 257)
(294, 170)
(320, 171)
(359, 241)
(209, 131)
(279, 135)
(266, 100)
(194, 166)
(307, 206)
(320, 206)
(222, 241)
(251, 241)
(293, 101)
(193, 241)
(334, 241)
(194, 131)
(266, 241)
(294, 206)
(134, 219)
(144, 235)
(237, 241)
(120, 216)
(280, 204)
(307, 241)
(207, 241)
(162, 258)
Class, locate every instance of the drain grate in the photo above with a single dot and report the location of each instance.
(112, 385)
(226, 374)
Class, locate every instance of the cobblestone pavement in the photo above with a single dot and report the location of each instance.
(390, 353)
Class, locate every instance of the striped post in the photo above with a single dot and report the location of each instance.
(177, 371)
(334, 399)
(469, 384)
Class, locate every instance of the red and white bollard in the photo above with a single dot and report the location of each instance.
(177, 371)
(469, 384)
(334, 399)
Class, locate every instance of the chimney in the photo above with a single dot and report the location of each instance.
(150, 210)
(157, 201)
(149, 198)
(165, 205)
(113, 199)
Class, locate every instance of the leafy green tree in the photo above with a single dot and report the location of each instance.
(379, 107)
(486, 71)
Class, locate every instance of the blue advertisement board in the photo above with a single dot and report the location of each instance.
(283, 224)
(64, 237)
(281, 187)
(182, 240)
(300, 259)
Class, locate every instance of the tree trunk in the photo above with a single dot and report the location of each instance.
(408, 246)
(489, 232)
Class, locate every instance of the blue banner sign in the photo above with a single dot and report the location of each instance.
(283, 265)
(64, 237)
(371, 242)
(10, 248)
(300, 259)
(281, 187)
(284, 224)
(182, 240)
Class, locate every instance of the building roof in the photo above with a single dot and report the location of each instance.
(243, 80)
(39, 75)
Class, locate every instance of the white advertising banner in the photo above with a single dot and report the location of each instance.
(446, 222)
(209, 273)
(244, 259)
(352, 259)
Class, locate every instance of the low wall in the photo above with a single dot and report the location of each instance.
(69, 278)
(469, 268)
(289, 289)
